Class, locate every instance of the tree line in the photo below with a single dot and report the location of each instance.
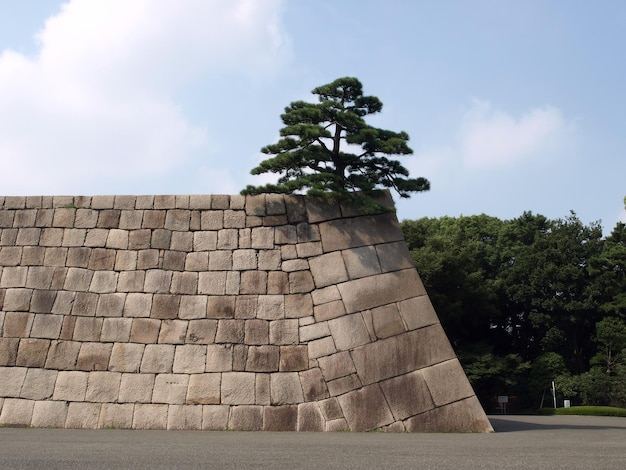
(528, 301)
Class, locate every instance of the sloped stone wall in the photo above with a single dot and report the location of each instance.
(216, 312)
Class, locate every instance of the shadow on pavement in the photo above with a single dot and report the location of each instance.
(511, 423)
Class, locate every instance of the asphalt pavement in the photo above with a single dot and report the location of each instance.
(520, 442)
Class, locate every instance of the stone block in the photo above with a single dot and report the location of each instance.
(71, 386)
(184, 283)
(64, 217)
(197, 261)
(285, 388)
(246, 418)
(417, 312)
(116, 416)
(145, 330)
(16, 413)
(336, 365)
(269, 260)
(139, 239)
(394, 256)
(298, 305)
(158, 281)
(137, 305)
(153, 219)
(110, 305)
(78, 279)
(447, 382)
(219, 358)
(178, 220)
(314, 331)
(17, 300)
(238, 388)
(88, 329)
(200, 201)
(301, 282)
(94, 356)
(78, 256)
(126, 260)
(462, 416)
(38, 384)
(103, 387)
(148, 416)
(182, 241)
(277, 282)
(165, 306)
(233, 282)
(313, 385)
(42, 302)
(173, 331)
(262, 358)
(51, 237)
(244, 260)
(401, 354)
(283, 332)
(343, 234)
(294, 206)
(343, 385)
(331, 409)
(8, 351)
(189, 359)
(309, 249)
(184, 417)
(13, 276)
(136, 388)
(262, 389)
(131, 219)
(74, 237)
(256, 332)
(280, 418)
(386, 321)
(62, 355)
(271, 307)
(174, 260)
(230, 331)
(148, 259)
(161, 239)
(28, 236)
(262, 237)
(170, 389)
(204, 389)
(49, 414)
(212, 283)
(361, 262)
(253, 282)
(285, 234)
(407, 395)
(32, 352)
(330, 310)
(337, 425)
(17, 324)
(328, 269)
(245, 307)
(40, 277)
(215, 417)
(95, 238)
(33, 256)
(320, 209)
(11, 381)
(67, 330)
(101, 259)
(157, 358)
(126, 357)
(234, 219)
(298, 264)
(227, 239)
(288, 252)
(85, 304)
(255, 205)
(310, 417)
(201, 331)
(193, 306)
(374, 291)
(240, 356)
(366, 409)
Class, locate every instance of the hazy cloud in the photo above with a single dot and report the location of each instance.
(491, 137)
(98, 100)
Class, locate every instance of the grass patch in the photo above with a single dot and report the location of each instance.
(585, 411)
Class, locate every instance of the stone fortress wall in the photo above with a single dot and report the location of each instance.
(215, 312)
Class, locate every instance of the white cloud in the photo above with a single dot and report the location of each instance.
(98, 101)
(490, 137)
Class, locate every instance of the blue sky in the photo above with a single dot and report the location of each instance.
(511, 106)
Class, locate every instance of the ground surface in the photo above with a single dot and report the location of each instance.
(520, 442)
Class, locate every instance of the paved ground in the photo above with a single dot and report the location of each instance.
(520, 442)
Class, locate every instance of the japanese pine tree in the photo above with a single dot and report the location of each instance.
(327, 148)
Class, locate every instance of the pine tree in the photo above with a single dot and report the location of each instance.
(327, 148)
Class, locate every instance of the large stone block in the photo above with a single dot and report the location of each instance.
(173, 331)
(262, 359)
(17, 300)
(328, 269)
(313, 385)
(16, 412)
(407, 395)
(148, 416)
(17, 325)
(280, 418)
(310, 417)
(286, 388)
(349, 331)
(49, 414)
(103, 387)
(38, 384)
(71, 386)
(157, 358)
(145, 330)
(62, 355)
(246, 418)
(189, 359)
(366, 409)
(336, 365)
(8, 351)
(215, 417)
(461, 416)
(447, 382)
(11, 381)
(238, 388)
(204, 389)
(184, 417)
(116, 416)
(401, 354)
(201, 331)
(126, 357)
(219, 358)
(116, 330)
(32, 352)
(136, 388)
(170, 388)
(343, 234)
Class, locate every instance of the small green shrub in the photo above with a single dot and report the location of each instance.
(585, 411)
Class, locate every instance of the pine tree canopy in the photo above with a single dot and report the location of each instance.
(327, 148)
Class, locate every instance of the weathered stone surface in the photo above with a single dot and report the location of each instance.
(103, 387)
(11, 381)
(407, 395)
(201, 331)
(238, 388)
(313, 385)
(204, 389)
(148, 416)
(38, 384)
(8, 351)
(32, 352)
(246, 418)
(336, 365)
(343, 234)
(219, 358)
(215, 417)
(173, 331)
(144, 330)
(184, 417)
(71, 386)
(262, 359)
(280, 418)
(157, 358)
(126, 357)
(16, 412)
(366, 408)
(310, 417)
(170, 388)
(189, 359)
(447, 382)
(286, 388)
(386, 321)
(417, 312)
(116, 330)
(136, 388)
(349, 331)
(116, 416)
(328, 269)
(49, 414)
(62, 355)
(462, 416)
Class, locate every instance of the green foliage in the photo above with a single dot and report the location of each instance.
(327, 148)
(585, 411)
(549, 293)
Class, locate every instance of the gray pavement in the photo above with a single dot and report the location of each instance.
(520, 442)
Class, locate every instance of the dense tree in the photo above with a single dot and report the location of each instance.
(327, 148)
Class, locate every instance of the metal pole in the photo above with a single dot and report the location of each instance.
(554, 394)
